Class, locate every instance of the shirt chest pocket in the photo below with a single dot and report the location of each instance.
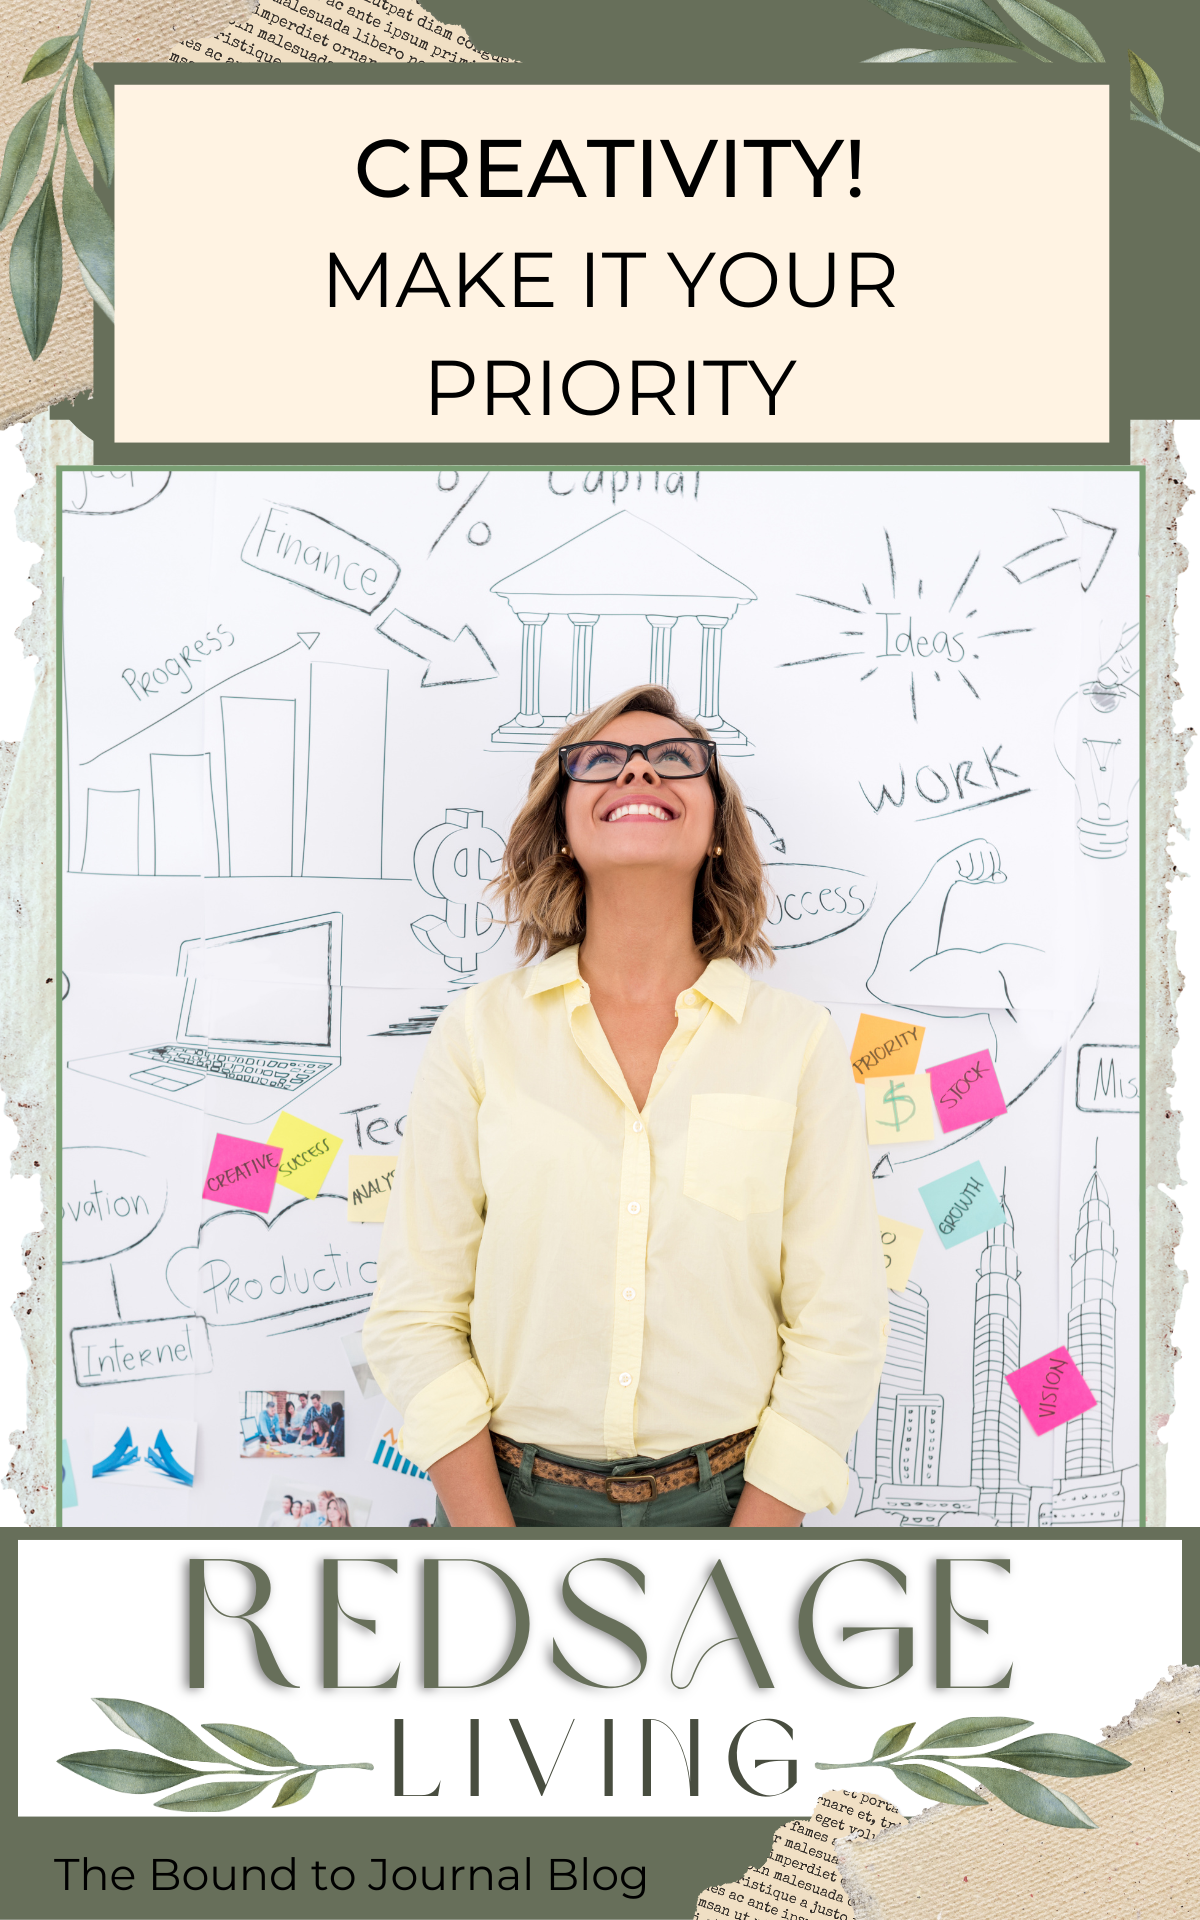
(737, 1152)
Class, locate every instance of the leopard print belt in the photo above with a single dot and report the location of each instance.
(628, 1489)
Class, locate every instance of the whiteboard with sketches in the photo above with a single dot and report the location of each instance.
(300, 712)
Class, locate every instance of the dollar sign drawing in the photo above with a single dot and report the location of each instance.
(454, 862)
(892, 1099)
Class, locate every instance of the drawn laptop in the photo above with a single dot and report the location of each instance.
(260, 1021)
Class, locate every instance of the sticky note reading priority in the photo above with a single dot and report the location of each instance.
(966, 1091)
(307, 1154)
(371, 1176)
(242, 1173)
(899, 1108)
(1051, 1391)
(899, 1242)
(884, 1047)
(962, 1205)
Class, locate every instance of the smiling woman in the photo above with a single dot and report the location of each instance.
(634, 1208)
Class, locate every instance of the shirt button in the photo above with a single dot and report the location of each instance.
(638, 1127)
(626, 1379)
(689, 999)
(634, 1207)
(628, 1294)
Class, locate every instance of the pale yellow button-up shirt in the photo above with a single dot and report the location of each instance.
(608, 1283)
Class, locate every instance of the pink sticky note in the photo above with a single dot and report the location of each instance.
(242, 1173)
(966, 1091)
(1051, 1390)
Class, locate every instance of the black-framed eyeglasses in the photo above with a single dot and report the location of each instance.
(683, 758)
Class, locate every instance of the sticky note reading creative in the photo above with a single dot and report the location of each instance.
(966, 1091)
(898, 1109)
(963, 1204)
(899, 1242)
(307, 1154)
(1051, 1390)
(884, 1046)
(242, 1173)
(371, 1176)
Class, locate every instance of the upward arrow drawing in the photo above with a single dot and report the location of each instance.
(451, 663)
(1081, 541)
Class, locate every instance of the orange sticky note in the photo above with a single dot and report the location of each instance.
(885, 1047)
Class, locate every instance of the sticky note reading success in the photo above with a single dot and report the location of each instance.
(898, 1109)
(307, 1154)
(963, 1204)
(966, 1091)
(899, 1242)
(241, 1173)
(884, 1046)
(1051, 1390)
(371, 1176)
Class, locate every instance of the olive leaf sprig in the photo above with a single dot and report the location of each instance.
(126, 1770)
(1060, 1755)
(1146, 104)
(36, 261)
(977, 23)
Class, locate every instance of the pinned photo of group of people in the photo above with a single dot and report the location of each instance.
(282, 1423)
(290, 1504)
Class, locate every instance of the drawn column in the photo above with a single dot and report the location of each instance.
(582, 629)
(712, 630)
(661, 627)
(529, 719)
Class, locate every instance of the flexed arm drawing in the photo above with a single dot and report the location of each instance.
(917, 969)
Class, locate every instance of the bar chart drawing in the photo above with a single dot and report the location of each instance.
(183, 813)
(111, 828)
(260, 782)
(347, 752)
(390, 1456)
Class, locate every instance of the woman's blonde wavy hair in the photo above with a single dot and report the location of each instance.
(541, 889)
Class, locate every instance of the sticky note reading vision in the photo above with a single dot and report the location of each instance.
(242, 1173)
(371, 1177)
(963, 1204)
(900, 1243)
(899, 1109)
(1051, 1391)
(966, 1091)
(884, 1046)
(307, 1154)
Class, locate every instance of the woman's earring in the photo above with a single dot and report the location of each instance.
(716, 853)
(567, 853)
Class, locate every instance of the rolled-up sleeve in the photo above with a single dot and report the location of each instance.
(834, 1320)
(417, 1335)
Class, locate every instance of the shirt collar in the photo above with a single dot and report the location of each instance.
(722, 982)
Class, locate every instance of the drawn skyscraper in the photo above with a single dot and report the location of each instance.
(995, 1415)
(1091, 1493)
(903, 1369)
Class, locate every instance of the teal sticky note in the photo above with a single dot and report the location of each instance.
(962, 1205)
(69, 1496)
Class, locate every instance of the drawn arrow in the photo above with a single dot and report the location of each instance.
(1083, 542)
(309, 639)
(451, 663)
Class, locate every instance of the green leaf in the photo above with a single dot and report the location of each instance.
(1030, 1797)
(294, 1789)
(97, 293)
(160, 1730)
(89, 227)
(35, 269)
(1059, 1754)
(892, 1740)
(94, 116)
(214, 1796)
(957, 19)
(127, 1772)
(973, 1732)
(251, 1744)
(1145, 86)
(939, 57)
(1055, 28)
(933, 1785)
(49, 57)
(23, 157)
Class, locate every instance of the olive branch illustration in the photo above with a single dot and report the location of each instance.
(1060, 1755)
(126, 1770)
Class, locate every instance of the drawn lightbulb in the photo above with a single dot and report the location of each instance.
(1096, 737)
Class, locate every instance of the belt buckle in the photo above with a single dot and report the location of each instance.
(631, 1479)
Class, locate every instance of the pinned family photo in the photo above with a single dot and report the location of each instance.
(289, 1503)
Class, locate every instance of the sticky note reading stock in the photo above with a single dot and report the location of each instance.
(1051, 1390)
(966, 1091)
(884, 1047)
(899, 1242)
(899, 1108)
(963, 1204)
(242, 1173)
(307, 1154)
(371, 1176)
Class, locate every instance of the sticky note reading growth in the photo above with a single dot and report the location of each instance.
(884, 1046)
(899, 1109)
(371, 1177)
(900, 1243)
(1051, 1390)
(242, 1173)
(307, 1154)
(966, 1091)
(962, 1205)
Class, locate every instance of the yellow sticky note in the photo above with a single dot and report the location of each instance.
(307, 1154)
(900, 1243)
(371, 1177)
(899, 1109)
(885, 1047)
